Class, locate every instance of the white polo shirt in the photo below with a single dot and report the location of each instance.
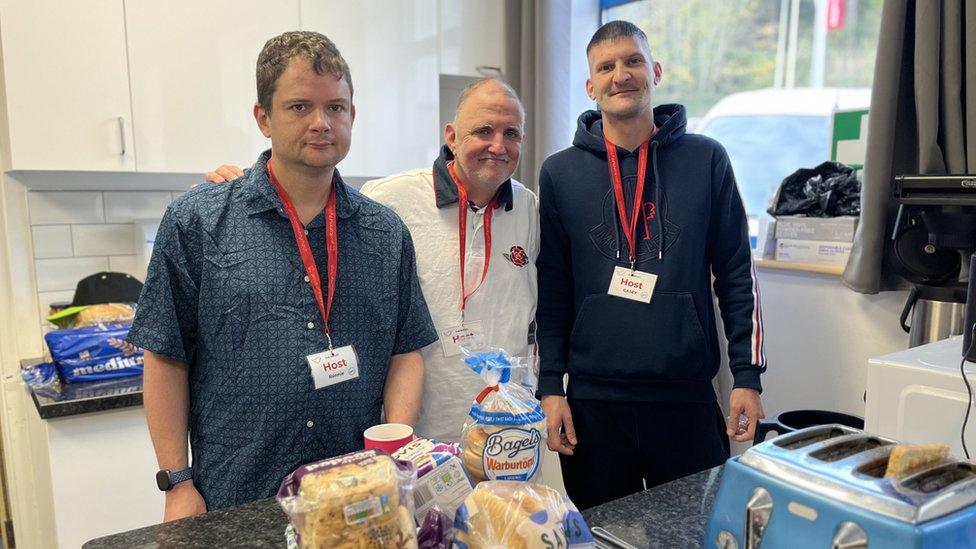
(505, 301)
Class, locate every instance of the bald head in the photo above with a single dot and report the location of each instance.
(486, 136)
(488, 85)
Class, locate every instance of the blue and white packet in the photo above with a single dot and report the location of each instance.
(523, 514)
(504, 436)
(94, 353)
(43, 379)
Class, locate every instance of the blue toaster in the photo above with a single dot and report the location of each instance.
(824, 487)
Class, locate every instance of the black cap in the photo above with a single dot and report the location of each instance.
(107, 287)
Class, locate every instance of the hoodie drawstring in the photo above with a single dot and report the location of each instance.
(657, 200)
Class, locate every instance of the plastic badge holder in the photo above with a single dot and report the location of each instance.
(519, 515)
(363, 500)
(503, 437)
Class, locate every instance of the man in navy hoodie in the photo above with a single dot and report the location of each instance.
(628, 314)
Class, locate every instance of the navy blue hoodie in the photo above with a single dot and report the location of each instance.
(668, 350)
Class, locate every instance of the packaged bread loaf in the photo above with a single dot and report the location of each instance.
(519, 515)
(503, 438)
(359, 500)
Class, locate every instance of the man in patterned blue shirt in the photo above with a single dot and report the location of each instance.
(280, 312)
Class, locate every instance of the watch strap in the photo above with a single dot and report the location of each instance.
(180, 476)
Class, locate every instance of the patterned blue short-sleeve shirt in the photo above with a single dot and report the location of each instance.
(227, 293)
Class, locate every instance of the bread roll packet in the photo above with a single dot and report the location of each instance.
(519, 515)
(362, 500)
(504, 435)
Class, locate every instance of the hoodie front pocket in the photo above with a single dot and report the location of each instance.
(618, 338)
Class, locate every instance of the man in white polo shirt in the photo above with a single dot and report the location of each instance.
(469, 193)
(468, 197)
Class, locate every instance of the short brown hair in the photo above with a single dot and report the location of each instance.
(321, 52)
(614, 30)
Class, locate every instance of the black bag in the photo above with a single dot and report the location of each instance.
(829, 190)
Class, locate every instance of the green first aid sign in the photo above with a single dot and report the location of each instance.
(849, 137)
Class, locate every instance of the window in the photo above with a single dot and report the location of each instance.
(761, 76)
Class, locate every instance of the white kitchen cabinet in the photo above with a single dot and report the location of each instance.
(392, 51)
(67, 88)
(473, 35)
(192, 76)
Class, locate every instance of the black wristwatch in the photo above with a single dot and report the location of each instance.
(166, 480)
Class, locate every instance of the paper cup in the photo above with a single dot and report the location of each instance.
(388, 437)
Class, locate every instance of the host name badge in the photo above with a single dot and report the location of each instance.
(329, 368)
(636, 285)
(452, 339)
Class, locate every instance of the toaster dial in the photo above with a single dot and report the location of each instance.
(758, 510)
(849, 536)
(726, 540)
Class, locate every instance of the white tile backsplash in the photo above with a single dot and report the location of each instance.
(104, 239)
(51, 241)
(64, 274)
(123, 207)
(128, 264)
(62, 207)
(79, 233)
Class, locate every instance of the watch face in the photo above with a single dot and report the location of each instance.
(162, 480)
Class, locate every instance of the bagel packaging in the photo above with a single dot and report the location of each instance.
(505, 432)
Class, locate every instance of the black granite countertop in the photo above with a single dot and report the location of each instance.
(671, 515)
(68, 399)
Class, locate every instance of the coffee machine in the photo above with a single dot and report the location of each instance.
(933, 239)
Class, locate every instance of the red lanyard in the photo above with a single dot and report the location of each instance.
(463, 231)
(305, 250)
(629, 227)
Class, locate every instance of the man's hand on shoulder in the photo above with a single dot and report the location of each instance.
(183, 501)
(223, 174)
(561, 436)
(744, 402)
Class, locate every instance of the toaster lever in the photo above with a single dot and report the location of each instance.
(758, 510)
(849, 536)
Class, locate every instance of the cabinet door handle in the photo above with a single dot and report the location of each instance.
(122, 134)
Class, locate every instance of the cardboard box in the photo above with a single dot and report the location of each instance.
(812, 251)
(825, 229)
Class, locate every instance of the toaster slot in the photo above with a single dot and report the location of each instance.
(795, 442)
(875, 468)
(939, 478)
(841, 450)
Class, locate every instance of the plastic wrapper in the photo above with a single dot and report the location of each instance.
(519, 515)
(829, 190)
(435, 530)
(359, 500)
(426, 454)
(42, 378)
(94, 353)
(102, 313)
(503, 437)
(442, 480)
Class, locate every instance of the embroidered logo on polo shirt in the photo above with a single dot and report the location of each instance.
(517, 256)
